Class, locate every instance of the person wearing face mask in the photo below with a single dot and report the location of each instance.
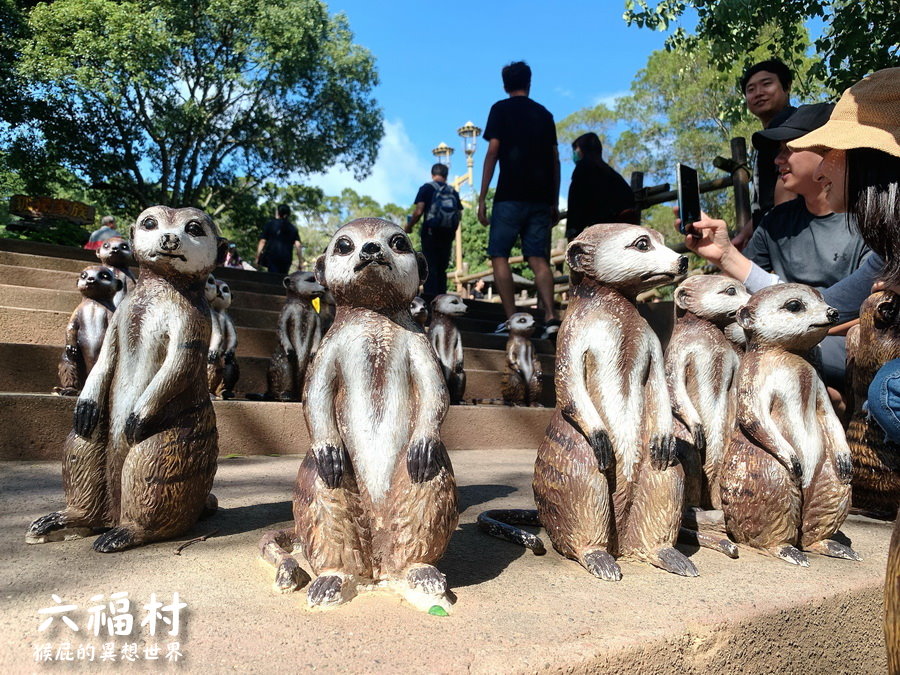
(800, 241)
(597, 193)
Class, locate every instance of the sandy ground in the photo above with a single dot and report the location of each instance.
(515, 612)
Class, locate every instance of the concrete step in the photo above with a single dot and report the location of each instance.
(253, 282)
(66, 301)
(33, 277)
(515, 612)
(33, 369)
(37, 424)
(48, 327)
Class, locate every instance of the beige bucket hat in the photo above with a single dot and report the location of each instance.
(867, 116)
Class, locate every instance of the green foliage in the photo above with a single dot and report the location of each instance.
(191, 102)
(859, 36)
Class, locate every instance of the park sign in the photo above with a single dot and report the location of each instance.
(48, 207)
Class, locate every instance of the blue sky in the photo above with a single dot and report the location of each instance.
(439, 66)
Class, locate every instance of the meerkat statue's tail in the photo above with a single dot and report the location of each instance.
(273, 548)
(500, 523)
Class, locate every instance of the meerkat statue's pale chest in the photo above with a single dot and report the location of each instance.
(142, 454)
(375, 500)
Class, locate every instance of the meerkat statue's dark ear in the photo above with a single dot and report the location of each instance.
(682, 297)
(286, 282)
(131, 235)
(745, 318)
(576, 255)
(119, 284)
(97, 251)
(221, 250)
(423, 267)
(320, 271)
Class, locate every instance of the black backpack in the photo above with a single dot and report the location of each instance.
(444, 211)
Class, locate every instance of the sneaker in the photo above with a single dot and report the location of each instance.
(551, 328)
(501, 329)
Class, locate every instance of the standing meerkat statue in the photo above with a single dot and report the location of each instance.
(606, 482)
(87, 327)
(785, 479)
(876, 462)
(299, 334)
(375, 500)
(701, 367)
(447, 342)
(230, 370)
(116, 254)
(419, 310)
(522, 384)
(142, 454)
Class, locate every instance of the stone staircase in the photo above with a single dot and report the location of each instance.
(37, 296)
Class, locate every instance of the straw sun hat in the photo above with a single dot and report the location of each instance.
(867, 116)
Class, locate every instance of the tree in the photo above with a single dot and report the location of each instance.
(193, 102)
(859, 36)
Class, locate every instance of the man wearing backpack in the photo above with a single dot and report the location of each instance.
(441, 207)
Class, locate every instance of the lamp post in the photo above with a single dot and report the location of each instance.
(469, 133)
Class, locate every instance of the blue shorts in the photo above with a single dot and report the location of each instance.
(510, 220)
(884, 399)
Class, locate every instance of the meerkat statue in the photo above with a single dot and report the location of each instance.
(116, 254)
(522, 383)
(230, 370)
(606, 480)
(876, 462)
(299, 334)
(447, 342)
(87, 327)
(214, 362)
(419, 310)
(785, 478)
(375, 500)
(701, 367)
(142, 454)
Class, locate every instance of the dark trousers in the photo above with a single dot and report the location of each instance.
(437, 242)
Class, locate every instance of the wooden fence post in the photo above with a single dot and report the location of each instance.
(637, 186)
(741, 177)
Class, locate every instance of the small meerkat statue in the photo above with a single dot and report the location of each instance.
(522, 383)
(447, 342)
(298, 334)
(419, 310)
(141, 457)
(375, 501)
(785, 478)
(876, 462)
(701, 367)
(214, 360)
(87, 327)
(230, 370)
(116, 254)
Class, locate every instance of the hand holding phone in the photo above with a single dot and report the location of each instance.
(688, 198)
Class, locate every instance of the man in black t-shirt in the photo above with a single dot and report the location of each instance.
(437, 241)
(278, 242)
(766, 87)
(521, 135)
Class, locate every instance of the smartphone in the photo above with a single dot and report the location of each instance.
(688, 198)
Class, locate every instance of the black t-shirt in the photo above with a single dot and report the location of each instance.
(426, 194)
(766, 175)
(280, 236)
(597, 194)
(527, 136)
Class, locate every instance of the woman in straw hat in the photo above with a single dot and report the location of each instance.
(861, 172)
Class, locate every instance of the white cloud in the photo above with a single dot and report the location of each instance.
(609, 100)
(397, 173)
